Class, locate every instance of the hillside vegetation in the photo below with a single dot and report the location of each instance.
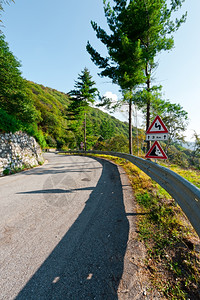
(58, 131)
(52, 127)
(57, 120)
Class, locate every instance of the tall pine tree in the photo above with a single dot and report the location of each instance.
(140, 29)
(82, 96)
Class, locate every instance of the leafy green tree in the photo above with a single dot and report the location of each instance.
(178, 157)
(8, 122)
(174, 117)
(14, 100)
(82, 96)
(197, 143)
(106, 130)
(151, 22)
(196, 151)
(140, 29)
(117, 143)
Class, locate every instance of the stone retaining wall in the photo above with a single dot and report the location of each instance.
(18, 150)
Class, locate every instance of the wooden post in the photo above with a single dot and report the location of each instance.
(130, 127)
(85, 132)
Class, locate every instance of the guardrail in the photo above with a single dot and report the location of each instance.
(185, 193)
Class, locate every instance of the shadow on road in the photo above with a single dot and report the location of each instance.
(88, 262)
(62, 169)
(56, 191)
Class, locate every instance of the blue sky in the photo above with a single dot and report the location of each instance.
(49, 38)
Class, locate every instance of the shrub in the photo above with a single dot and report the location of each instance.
(8, 123)
(51, 142)
(33, 130)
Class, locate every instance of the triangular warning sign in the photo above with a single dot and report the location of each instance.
(156, 151)
(157, 126)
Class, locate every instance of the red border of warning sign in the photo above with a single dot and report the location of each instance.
(157, 131)
(164, 156)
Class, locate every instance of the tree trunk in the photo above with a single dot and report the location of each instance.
(148, 105)
(137, 132)
(85, 133)
(130, 127)
(148, 122)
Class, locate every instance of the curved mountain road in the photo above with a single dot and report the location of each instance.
(65, 232)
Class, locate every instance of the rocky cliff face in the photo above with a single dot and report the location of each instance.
(18, 150)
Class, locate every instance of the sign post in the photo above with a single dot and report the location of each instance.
(156, 132)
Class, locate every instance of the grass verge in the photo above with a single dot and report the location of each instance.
(24, 167)
(191, 175)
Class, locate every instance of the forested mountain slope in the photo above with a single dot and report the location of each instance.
(57, 128)
(50, 124)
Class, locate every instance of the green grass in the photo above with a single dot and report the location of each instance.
(20, 169)
(192, 176)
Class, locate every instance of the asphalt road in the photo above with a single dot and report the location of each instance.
(64, 229)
